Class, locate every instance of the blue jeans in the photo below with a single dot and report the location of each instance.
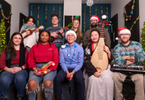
(50, 76)
(6, 78)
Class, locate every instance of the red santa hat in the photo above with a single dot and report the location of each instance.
(124, 30)
(95, 17)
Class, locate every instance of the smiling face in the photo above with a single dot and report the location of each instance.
(125, 37)
(94, 22)
(44, 37)
(95, 36)
(70, 38)
(17, 39)
(30, 22)
(54, 20)
(75, 23)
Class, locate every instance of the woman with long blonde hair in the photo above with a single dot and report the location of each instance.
(76, 28)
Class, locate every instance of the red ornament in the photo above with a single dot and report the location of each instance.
(68, 76)
(129, 4)
(45, 20)
(8, 22)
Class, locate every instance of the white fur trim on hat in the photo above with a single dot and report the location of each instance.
(70, 31)
(94, 18)
(125, 31)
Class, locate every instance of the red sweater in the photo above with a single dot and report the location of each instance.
(13, 61)
(43, 53)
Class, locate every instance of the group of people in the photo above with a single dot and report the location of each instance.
(38, 49)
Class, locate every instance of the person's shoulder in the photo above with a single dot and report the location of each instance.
(76, 45)
(88, 31)
(135, 43)
(49, 28)
(34, 46)
(117, 46)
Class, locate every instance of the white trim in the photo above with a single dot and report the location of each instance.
(94, 17)
(125, 31)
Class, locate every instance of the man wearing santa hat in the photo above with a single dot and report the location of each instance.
(128, 53)
(94, 24)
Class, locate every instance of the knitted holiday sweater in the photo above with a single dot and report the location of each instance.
(133, 49)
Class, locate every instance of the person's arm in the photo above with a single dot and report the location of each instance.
(88, 65)
(118, 58)
(86, 38)
(3, 60)
(31, 60)
(62, 60)
(107, 38)
(55, 58)
(26, 60)
(80, 59)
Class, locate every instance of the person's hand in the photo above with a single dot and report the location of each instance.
(106, 49)
(71, 75)
(37, 29)
(97, 74)
(125, 57)
(10, 70)
(28, 32)
(81, 44)
(61, 31)
(54, 34)
(36, 73)
(17, 69)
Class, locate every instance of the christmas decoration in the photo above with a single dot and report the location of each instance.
(46, 14)
(2, 12)
(143, 41)
(131, 12)
(2, 36)
(90, 2)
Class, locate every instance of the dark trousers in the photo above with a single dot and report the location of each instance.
(61, 76)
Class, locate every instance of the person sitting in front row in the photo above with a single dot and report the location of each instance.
(13, 62)
(71, 61)
(128, 53)
(98, 86)
(40, 54)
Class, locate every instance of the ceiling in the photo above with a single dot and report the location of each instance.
(61, 1)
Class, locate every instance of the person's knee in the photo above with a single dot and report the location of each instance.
(47, 84)
(32, 85)
(4, 80)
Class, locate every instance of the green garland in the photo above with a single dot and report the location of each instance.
(2, 36)
(143, 40)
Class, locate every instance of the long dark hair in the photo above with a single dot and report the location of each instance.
(10, 50)
(39, 41)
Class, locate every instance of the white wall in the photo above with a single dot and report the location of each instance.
(117, 6)
(17, 7)
(73, 8)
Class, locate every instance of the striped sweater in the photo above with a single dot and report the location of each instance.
(133, 49)
(59, 40)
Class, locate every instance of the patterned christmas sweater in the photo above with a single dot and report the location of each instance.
(133, 49)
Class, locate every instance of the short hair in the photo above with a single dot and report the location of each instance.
(54, 15)
(27, 19)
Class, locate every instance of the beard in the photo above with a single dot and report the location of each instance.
(124, 42)
(94, 26)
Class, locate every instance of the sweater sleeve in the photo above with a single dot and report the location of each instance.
(26, 58)
(118, 58)
(55, 59)
(140, 54)
(80, 59)
(88, 65)
(31, 59)
(62, 60)
(3, 60)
